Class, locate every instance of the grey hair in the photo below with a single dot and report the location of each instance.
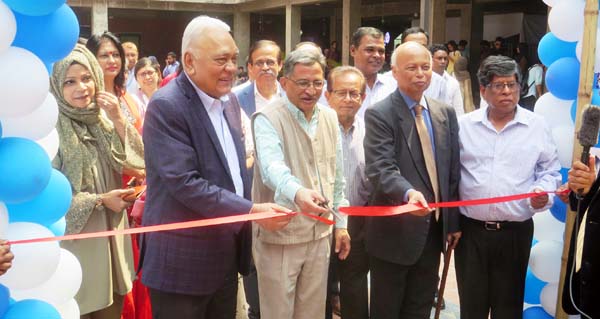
(497, 65)
(305, 57)
(198, 26)
(341, 70)
(395, 53)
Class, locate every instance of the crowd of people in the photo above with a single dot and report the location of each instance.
(294, 138)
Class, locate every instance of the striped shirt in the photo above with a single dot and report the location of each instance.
(357, 184)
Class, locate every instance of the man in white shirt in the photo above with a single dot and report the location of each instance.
(131, 55)
(504, 150)
(368, 52)
(533, 85)
(453, 97)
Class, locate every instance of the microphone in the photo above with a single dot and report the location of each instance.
(588, 133)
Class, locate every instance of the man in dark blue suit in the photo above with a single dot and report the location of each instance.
(196, 170)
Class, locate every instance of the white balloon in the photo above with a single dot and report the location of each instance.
(556, 111)
(69, 310)
(34, 263)
(563, 138)
(62, 285)
(546, 227)
(24, 82)
(3, 220)
(566, 20)
(9, 27)
(34, 125)
(548, 298)
(50, 143)
(579, 49)
(545, 260)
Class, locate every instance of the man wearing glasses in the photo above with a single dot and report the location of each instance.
(299, 165)
(504, 150)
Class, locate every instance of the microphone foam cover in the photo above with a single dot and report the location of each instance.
(588, 134)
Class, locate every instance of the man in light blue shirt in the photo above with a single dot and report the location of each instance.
(504, 150)
(299, 165)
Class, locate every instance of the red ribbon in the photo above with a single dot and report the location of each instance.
(353, 211)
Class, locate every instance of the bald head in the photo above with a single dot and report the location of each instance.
(411, 63)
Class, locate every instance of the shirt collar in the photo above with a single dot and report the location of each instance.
(412, 103)
(208, 101)
(277, 93)
(521, 116)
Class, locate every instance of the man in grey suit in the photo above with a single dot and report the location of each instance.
(411, 145)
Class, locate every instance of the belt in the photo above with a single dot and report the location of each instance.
(494, 225)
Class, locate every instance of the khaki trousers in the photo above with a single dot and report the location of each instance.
(292, 279)
(111, 312)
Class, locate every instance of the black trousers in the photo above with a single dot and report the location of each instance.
(251, 291)
(219, 305)
(407, 292)
(353, 282)
(491, 266)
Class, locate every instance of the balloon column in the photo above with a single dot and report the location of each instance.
(34, 197)
(560, 51)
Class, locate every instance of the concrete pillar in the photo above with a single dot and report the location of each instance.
(241, 35)
(350, 22)
(292, 27)
(433, 19)
(99, 16)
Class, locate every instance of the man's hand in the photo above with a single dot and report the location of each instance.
(342, 243)
(308, 201)
(581, 177)
(6, 257)
(416, 197)
(564, 197)
(275, 223)
(453, 239)
(540, 201)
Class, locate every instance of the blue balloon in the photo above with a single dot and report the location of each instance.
(24, 170)
(46, 208)
(559, 210)
(562, 78)
(34, 7)
(4, 300)
(536, 312)
(58, 228)
(533, 242)
(533, 288)
(551, 48)
(50, 37)
(31, 308)
(564, 172)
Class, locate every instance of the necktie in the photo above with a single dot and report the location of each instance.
(427, 152)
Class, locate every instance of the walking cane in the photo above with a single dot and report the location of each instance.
(440, 299)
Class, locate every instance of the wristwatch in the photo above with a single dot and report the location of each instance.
(99, 201)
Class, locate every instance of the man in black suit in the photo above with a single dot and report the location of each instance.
(196, 170)
(411, 144)
(583, 282)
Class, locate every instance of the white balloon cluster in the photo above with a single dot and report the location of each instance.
(44, 278)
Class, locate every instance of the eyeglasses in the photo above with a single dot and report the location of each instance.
(261, 63)
(108, 55)
(146, 73)
(342, 94)
(498, 87)
(305, 84)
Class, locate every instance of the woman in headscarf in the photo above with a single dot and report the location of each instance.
(93, 153)
(461, 73)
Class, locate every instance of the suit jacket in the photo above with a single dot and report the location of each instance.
(586, 282)
(246, 98)
(395, 163)
(188, 179)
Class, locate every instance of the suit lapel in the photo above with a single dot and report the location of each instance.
(409, 131)
(199, 110)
